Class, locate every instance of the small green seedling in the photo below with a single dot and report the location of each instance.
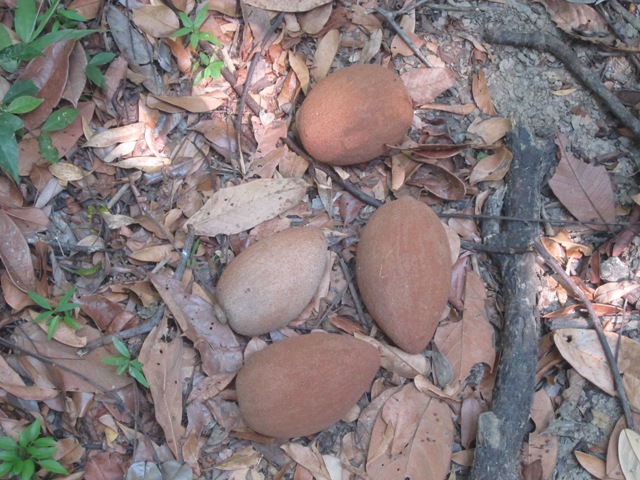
(210, 68)
(93, 72)
(57, 314)
(31, 450)
(126, 363)
(192, 28)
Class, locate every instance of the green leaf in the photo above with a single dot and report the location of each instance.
(193, 40)
(5, 468)
(19, 51)
(9, 154)
(45, 18)
(53, 37)
(60, 119)
(43, 316)
(8, 443)
(53, 324)
(67, 296)
(18, 466)
(122, 368)
(213, 70)
(209, 37)
(114, 361)
(20, 89)
(8, 455)
(30, 433)
(66, 307)
(47, 148)
(84, 272)
(41, 301)
(23, 104)
(40, 452)
(45, 442)
(10, 122)
(201, 16)
(102, 58)
(121, 347)
(95, 75)
(186, 21)
(70, 321)
(139, 376)
(181, 32)
(53, 466)
(5, 38)
(25, 20)
(71, 15)
(28, 470)
(136, 364)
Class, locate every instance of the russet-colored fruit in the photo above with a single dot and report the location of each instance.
(271, 282)
(351, 114)
(403, 269)
(302, 385)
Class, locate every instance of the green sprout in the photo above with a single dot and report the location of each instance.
(126, 363)
(30, 451)
(54, 315)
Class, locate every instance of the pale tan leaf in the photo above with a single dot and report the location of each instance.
(162, 367)
(541, 411)
(491, 130)
(287, 5)
(110, 137)
(67, 172)
(246, 457)
(235, 209)
(425, 84)
(156, 20)
(466, 109)
(15, 254)
(63, 334)
(325, 53)
(299, 66)
(470, 340)
(117, 220)
(154, 254)
(146, 164)
(491, 168)
(87, 8)
(582, 349)
(585, 190)
(191, 103)
(314, 20)
(481, 93)
(309, 458)
(411, 438)
(629, 453)
(463, 458)
(393, 359)
(592, 464)
(612, 291)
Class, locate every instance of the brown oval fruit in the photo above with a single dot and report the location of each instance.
(403, 267)
(352, 114)
(301, 385)
(272, 281)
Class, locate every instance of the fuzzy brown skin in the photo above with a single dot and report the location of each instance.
(351, 115)
(403, 268)
(271, 282)
(302, 385)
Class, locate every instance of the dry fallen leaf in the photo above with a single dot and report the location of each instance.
(236, 209)
(287, 5)
(411, 438)
(15, 254)
(592, 464)
(481, 93)
(325, 53)
(629, 453)
(491, 130)
(110, 137)
(492, 168)
(425, 84)
(156, 20)
(585, 190)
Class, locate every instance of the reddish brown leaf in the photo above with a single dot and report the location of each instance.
(77, 75)
(422, 431)
(15, 254)
(426, 84)
(438, 181)
(585, 190)
(49, 73)
(481, 93)
(469, 341)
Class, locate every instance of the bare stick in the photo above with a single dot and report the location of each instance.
(597, 325)
(388, 16)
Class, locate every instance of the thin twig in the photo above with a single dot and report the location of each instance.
(597, 325)
(388, 16)
(548, 43)
(354, 294)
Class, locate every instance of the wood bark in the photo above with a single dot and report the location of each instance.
(502, 430)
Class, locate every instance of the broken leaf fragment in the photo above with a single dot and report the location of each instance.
(239, 208)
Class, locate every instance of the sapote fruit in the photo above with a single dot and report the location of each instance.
(351, 114)
(302, 385)
(271, 282)
(403, 269)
